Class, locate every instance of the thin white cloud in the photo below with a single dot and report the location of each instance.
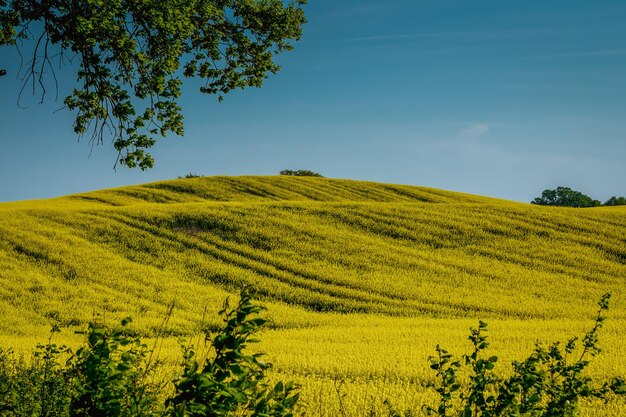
(584, 54)
(407, 36)
(362, 9)
(465, 33)
(474, 131)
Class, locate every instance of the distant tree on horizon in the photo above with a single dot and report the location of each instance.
(300, 173)
(615, 201)
(565, 197)
(190, 175)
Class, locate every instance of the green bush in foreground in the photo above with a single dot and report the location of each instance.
(41, 387)
(112, 376)
(549, 383)
(232, 383)
(110, 373)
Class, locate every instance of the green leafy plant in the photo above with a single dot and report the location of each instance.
(39, 387)
(232, 381)
(110, 376)
(548, 383)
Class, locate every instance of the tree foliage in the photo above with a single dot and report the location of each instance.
(564, 196)
(132, 54)
(615, 201)
(300, 173)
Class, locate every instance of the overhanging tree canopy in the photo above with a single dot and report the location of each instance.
(132, 55)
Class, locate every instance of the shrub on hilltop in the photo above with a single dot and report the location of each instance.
(548, 383)
(300, 173)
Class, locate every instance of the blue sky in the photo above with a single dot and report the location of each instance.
(498, 98)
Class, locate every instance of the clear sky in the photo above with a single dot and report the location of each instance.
(498, 98)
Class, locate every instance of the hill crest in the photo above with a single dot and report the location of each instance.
(272, 188)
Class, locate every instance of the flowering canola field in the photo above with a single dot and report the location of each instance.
(361, 279)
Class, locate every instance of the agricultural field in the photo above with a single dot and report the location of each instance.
(361, 280)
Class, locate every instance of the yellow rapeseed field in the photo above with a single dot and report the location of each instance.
(361, 279)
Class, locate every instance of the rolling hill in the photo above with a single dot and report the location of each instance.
(341, 265)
